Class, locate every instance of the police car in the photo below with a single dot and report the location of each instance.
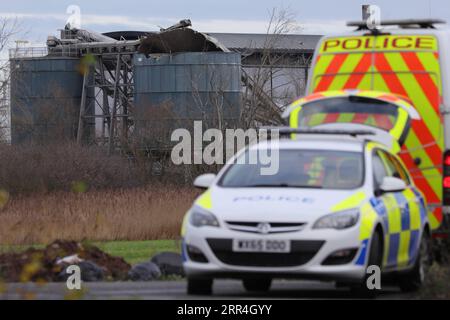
(339, 202)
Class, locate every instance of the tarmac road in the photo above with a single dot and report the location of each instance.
(172, 290)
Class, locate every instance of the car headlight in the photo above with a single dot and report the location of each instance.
(202, 218)
(339, 220)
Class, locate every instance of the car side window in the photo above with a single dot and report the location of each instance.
(391, 170)
(379, 170)
(393, 167)
(400, 171)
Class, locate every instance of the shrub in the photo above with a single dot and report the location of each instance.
(65, 167)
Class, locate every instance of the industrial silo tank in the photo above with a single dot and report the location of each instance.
(174, 90)
(45, 100)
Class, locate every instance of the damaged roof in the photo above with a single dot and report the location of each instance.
(179, 40)
(246, 41)
(257, 42)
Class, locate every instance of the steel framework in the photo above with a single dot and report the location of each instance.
(110, 78)
(4, 112)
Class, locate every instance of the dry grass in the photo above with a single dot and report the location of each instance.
(126, 214)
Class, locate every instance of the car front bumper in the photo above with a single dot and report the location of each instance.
(225, 264)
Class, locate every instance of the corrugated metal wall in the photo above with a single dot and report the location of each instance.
(45, 99)
(171, 91)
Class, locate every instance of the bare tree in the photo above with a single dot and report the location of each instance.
(265, 83)
(264, 95)
(8, 29)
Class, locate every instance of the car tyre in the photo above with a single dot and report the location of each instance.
(375, 258)
(414, 279)
(197, 286)
(257, 285)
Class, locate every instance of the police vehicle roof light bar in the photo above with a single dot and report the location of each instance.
(283, 131)
(422, 23)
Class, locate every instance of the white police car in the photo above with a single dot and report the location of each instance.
(338, 203)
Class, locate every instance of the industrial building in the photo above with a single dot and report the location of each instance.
(123, 88)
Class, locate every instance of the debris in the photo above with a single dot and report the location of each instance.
(41, 264)
(90, 272)
(170, 263)
(87, 35)
(73, 259)
(182, 24)
(147, 271)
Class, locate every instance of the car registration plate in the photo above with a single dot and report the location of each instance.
(261, 245)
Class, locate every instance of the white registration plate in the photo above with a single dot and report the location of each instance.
(261, 245)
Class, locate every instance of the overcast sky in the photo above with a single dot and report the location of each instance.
(44, 17)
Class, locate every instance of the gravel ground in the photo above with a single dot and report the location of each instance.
(173, 290)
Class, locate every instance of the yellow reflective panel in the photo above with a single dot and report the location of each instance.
(400, 125)
(353, 201)
(345, 117)
(205, 200)
(415, 92)
(355, 44)
(403, 249)
(316, 119)
(394, 214)
(184, 225)
(431, 61)
(386, 246)
(371, 145)
(345, 71)
(293, 117)
(368, 219)
(431, 174)
(321, 67)
(434, 223)
(414, 210)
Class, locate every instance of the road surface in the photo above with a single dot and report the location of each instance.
(172, 290)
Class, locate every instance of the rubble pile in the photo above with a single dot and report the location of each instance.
(50, 264)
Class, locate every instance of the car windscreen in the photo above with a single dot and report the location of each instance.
(315, 169)
(360, 110)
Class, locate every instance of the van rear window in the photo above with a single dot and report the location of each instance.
(360, 110)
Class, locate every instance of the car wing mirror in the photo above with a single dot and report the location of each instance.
(204, 181)
(392, 184)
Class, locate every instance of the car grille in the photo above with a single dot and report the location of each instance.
(301, 253)
(275, 227)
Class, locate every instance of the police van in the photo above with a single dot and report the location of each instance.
(408, 59)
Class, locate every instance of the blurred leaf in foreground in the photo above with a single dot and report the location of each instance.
(4, 198)
(79, 187)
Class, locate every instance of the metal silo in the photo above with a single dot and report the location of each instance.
(45, 99)
(173, 90)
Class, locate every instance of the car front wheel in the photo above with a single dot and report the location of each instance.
(375, 259)
(414, 279)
